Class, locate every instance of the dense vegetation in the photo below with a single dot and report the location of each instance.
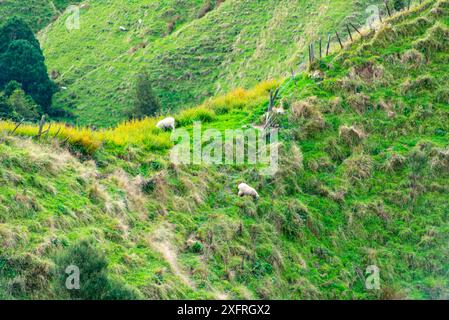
(364, 161)
(25, 87)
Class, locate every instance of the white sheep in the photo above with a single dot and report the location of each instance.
(279, 110)
(246, 190)
(167, 123)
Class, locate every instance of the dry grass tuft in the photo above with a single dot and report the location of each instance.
(440, 161)
(359, 102)
(310, 119)
(395, 163)
(358, 168)
(435, 40)
(305, 109)
(368, 72)
(423, 82)
(352, 136)
(412, 58)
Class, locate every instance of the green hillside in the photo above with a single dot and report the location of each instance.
(189, 56)
(364, 161)
(37, 13)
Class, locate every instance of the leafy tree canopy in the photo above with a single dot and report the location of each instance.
(24, 63)
(16, 29)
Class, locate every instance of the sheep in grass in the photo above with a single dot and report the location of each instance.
(246, 190)
(167, 123)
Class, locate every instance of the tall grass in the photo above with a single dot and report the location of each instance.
(144, 132)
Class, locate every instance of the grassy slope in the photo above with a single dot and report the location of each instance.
(38, 13)
(321, 220)
(239, 43)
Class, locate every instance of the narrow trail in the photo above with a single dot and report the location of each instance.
(161, 242)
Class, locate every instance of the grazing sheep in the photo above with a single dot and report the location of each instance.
(279, 110)
(246, 190)
(167, 123)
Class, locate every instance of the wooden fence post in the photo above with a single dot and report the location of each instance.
(17, 126)
(321, 48)
(349, 32)
(328, 44)
(355, 28)
(339, 40)
(388, 8)
(312, 50)
(41, 126)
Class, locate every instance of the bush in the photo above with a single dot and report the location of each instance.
(95, 284)
(16, 29)
(145, 101)
(22, 106)
(24, 63)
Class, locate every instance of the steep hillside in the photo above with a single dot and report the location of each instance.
(190, 55)
(364, 165)
(38, 13)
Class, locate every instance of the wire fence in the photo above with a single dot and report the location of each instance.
(320, 49)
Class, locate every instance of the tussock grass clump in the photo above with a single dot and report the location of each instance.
(291, 218)
(413, 27)
(290, 166)
(423, 82)
(368, 72)
(305, 109)
(442, 95)
(334, 106)
(307, 115)
(358, 168)
(412, 58)
(436, 39)
(359, 102)
(247, 207)
(395, 163)
(157, 184)
(386, 35)
(345, 85)
(351, 135)
(321, 164)
(335, 151)
(11, 237)
(440, 161)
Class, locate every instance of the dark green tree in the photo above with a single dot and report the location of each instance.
(24, 63)
(22, 106)
(145, 101)
(16, 29)
(11, 87)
